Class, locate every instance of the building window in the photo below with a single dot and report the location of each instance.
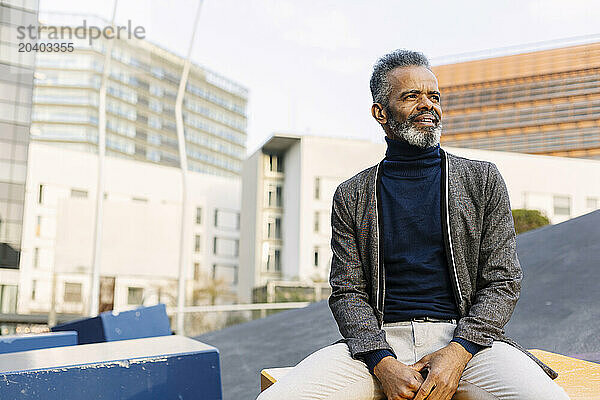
(274, 228)
(277, 260)
(273, 258)
(275, 163)
(72, 292)
(225, 247)
(157, 90)
(33, 289)
(227, 219)
(274, 196)
(317, 188)
(41, 194)
(197, 241)
(154, 122)
(155, 105)
(225, 272)
(197, 272)
(316, 256)
(198, 215)
(592, 203)
(80, 194)
(279, 196)
(8, 299)
(36, 257)
(135, 296)
(562, 205)
(316, 222)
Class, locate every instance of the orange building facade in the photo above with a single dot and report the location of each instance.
(542, 102)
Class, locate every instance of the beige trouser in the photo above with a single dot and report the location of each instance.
(499, 372)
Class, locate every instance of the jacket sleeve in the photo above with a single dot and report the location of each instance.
(499, 272)
(349, 300)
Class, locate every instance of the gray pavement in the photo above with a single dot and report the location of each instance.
(559, 308)
(558, 311)
(280, 340)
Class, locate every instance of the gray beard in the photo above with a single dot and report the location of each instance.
(420, 137)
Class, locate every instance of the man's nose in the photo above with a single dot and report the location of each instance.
(425, 103)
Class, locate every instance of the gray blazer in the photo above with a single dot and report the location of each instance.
(480, 245)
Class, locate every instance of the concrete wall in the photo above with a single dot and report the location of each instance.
(142, 239)
(250, 226)
(292, 256)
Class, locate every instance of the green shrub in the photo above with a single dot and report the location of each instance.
(526, 220)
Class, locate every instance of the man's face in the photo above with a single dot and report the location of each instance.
(414, 112)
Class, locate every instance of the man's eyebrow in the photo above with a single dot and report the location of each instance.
(415, 91)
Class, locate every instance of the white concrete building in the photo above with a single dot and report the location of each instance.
(141, 230)
(288, 185)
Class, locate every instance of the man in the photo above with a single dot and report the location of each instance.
(424, 273)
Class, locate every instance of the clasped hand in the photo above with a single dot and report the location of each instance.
(442, 369)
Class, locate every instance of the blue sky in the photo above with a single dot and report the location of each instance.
(307, 63)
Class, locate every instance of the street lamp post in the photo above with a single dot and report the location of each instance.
(184, 237)
(97, 249)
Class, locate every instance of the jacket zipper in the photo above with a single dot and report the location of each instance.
(380, 267)
(449, 249)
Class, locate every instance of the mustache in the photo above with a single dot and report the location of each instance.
(433, 113)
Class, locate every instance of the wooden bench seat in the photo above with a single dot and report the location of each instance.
(580, 379)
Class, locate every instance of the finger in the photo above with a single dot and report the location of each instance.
(425, 389)
(408, 394)
(419, 365)
(415, 384)
(435, 394)
(440, 393)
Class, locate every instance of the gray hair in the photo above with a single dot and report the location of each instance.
(380, 85)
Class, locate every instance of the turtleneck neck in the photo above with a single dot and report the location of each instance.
(403, 159)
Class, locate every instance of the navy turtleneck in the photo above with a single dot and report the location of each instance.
(417, 279)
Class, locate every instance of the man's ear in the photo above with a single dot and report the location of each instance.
(379, 113)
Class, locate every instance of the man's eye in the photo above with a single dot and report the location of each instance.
(411, 96)
(435, 98)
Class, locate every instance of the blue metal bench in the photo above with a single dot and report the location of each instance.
(166, 367)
